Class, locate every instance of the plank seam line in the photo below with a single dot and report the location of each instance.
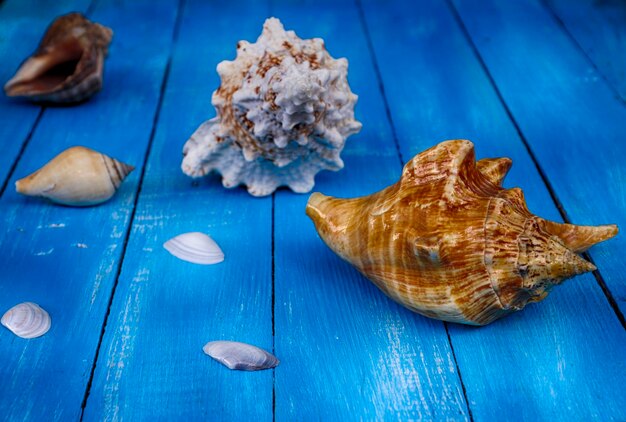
(542, 174)
(458, 370)
(273, 307)
(370, 46)
(381, 85)
(118, 272)
(91, 7)
(25, 143)
(578, 46)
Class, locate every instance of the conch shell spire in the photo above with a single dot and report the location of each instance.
(448, 242)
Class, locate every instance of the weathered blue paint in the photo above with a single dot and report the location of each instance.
(66, 258)
(599, 28)
(165, 310)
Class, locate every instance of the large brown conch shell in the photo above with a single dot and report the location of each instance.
(67, 66)
(448, 242)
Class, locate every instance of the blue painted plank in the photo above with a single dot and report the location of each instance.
(437, 90)
(348, 352)
(599, 27)
(22, 25)
(66, 258)
(151, 360)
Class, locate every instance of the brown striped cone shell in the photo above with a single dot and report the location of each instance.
(447, 241)
(78, 176)
(67, 66)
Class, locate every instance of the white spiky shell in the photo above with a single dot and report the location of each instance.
(284, 111)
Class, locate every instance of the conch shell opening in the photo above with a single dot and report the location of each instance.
(67, 66)
(447, 241)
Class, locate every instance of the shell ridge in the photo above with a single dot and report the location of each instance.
(488, 260)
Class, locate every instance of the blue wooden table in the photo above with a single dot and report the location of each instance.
(542, 82)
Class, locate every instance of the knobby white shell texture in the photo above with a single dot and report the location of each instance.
(240, 356)
(195, 247)
(284, 111)
(27, 320)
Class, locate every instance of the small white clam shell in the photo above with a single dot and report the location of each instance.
(27, 320)
(195, 247)
(240, 356)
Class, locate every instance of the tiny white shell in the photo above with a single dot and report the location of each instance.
(240, 356)
(27, 320)
(195, 247)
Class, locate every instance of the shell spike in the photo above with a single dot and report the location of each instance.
(494, 169)
(579, 238)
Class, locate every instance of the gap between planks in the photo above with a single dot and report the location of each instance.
(552, 12)
(157, 114)
(542, 174)
(25, 143)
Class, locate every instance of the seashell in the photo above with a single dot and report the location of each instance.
(284, 111)
(27, 320)
(448, 242)
(78, 176)
(240, 356)
(195, 247)
(67, 66)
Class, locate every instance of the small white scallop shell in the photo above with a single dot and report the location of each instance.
(27, 320)
(195, 247)
(240, 356)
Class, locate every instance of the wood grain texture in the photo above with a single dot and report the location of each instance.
(348, 351)
(165, 310)
(22, 25)
(599, 28)
(65, 258)
(452, 97)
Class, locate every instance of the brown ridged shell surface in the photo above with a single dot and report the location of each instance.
(68, 64)
(447, 241)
